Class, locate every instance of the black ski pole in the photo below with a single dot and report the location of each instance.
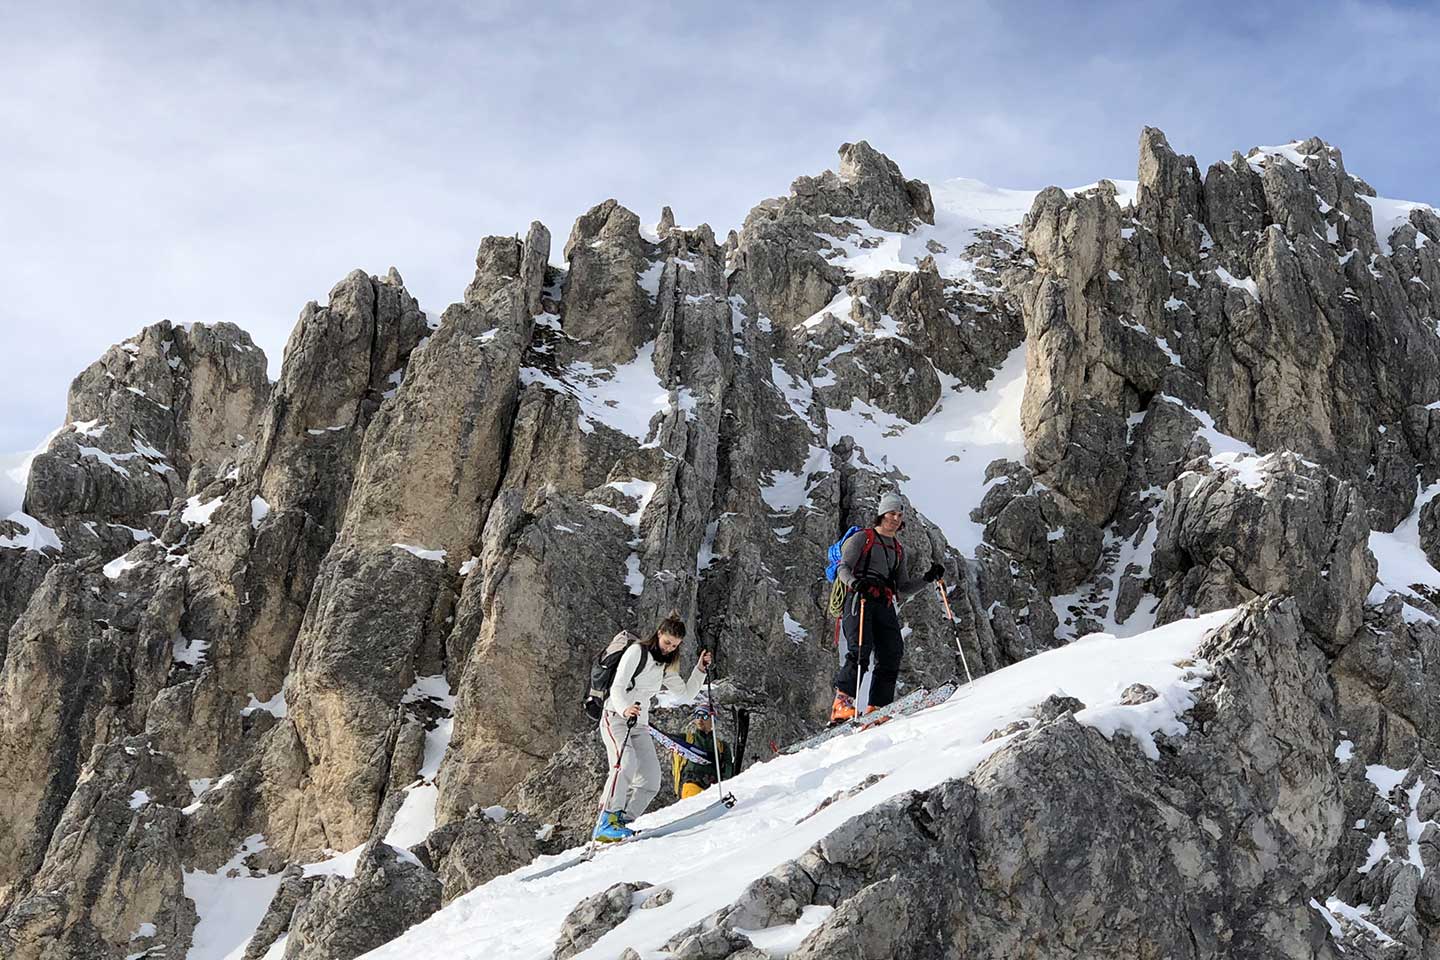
(726, 798)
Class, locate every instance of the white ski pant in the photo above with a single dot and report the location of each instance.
(634, 772)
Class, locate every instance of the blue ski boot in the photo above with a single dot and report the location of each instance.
(609, 829)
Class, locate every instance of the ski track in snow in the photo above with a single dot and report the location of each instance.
(708, 866)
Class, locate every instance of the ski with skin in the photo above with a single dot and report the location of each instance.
(932, 699)
(898, 708)
(912, 703)
(588, 852)
(678, 748)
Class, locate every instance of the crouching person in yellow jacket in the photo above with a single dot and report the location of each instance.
(690, 777)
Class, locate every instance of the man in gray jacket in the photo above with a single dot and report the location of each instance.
(872, 567)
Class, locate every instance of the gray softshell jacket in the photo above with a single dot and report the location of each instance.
(882, 564)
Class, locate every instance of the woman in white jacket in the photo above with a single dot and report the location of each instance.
(634, 770)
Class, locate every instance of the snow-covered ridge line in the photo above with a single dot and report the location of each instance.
(708, 867)
(964, 209)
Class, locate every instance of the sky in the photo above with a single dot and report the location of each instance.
(229, 162)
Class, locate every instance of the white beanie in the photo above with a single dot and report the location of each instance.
(890, 501)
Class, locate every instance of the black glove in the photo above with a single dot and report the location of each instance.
(872, 587)
(936, 571)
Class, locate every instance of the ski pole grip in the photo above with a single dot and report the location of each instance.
(630, 722)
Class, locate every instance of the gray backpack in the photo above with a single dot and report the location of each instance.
(602, 672)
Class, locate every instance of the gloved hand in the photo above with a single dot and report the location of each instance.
(936, 571)
(872, 588)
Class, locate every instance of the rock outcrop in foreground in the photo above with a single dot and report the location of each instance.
(342, 620)
(1066, 843)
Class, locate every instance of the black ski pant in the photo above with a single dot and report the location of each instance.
(882, 642)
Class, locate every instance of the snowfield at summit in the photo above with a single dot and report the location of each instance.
(294, 670)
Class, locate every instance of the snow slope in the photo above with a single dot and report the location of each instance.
(945, 454)
(1402, 564)
(14, 470)
(707, 867)
(963, 209)
(1390, 215)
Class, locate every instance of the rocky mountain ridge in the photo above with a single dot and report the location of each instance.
(251, 626)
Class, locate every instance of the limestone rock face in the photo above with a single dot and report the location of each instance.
(635, 504)
(169, 406)
(612, 285)
(925, 874)
(1388, 724)
(513, 705)
(112, 866)
(343, 360)
(1380, 680)
(466, 853)
(344, 918)
(1264, 284)
(22, 568)
(354, 611)
(1276, 525)
(429, 463)
(1429, 529)
(1058, 546)
(293, 893)
(596, 916)
(869, 186)
(139, 422)
(783, 243)
(1086, 369)
(927, 308)
(252, 567)
(192, 628)
(84, 661)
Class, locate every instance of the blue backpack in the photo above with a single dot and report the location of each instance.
(834, 553)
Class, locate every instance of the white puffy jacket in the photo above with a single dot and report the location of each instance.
(648, 683)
